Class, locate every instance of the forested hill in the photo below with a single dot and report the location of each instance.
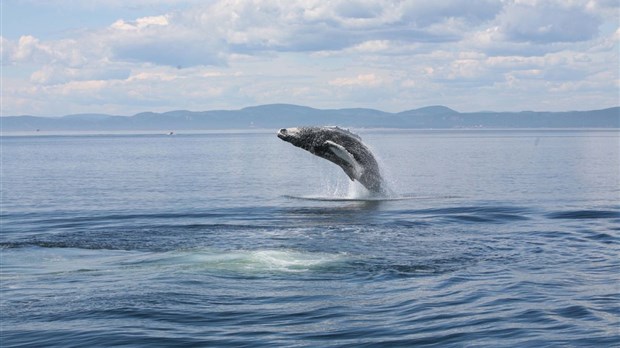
(286, 115)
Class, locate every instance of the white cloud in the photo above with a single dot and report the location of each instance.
(387, 55)
(54, 74)
(140, 23)
(425, 13)
(362, 80)
(372, 46)
(548, 21)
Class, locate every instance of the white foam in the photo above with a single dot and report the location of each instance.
(290, 261)
(250, 261)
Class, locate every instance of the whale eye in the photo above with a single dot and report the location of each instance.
(283, 130)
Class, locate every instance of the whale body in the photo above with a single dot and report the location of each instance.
(341, 147)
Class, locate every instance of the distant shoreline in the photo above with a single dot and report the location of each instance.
(286, 115)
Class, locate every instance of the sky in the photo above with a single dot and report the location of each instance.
(118, 57)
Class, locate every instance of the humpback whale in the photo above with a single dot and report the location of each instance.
(341, 147)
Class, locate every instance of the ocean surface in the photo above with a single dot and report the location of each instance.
(491, 239)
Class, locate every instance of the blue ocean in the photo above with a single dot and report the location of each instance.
(491, 238)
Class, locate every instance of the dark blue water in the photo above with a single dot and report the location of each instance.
(496, 238)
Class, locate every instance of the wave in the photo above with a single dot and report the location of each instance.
(585, 214)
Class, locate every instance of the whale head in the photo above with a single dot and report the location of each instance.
(295, 136)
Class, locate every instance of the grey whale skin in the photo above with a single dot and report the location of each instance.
(341, 147)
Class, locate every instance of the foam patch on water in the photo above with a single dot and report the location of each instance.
(250, 261)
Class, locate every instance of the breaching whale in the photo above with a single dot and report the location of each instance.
(341, 147)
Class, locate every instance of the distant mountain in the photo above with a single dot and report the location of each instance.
(286, 115)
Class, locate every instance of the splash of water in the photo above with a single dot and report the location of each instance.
(334, 185)
(358, 191)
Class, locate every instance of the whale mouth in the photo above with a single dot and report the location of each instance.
(282, 133)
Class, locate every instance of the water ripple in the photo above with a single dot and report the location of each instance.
(585, 214)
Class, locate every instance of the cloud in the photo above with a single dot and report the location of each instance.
(259, 26)
(140, 23)
(391, 55)
(362, 80)
(427, 13)
(548, 21)
(161, 40)
(208, 35)
(372, 46)
(27, 49)
(57, 74)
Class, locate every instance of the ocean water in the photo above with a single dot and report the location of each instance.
(492, 238)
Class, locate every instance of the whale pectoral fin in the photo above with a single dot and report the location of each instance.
(341, 152)
(353, 169)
